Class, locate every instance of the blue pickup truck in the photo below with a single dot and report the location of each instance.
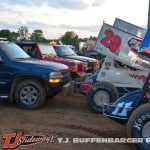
(26, 80)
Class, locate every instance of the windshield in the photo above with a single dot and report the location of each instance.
(64, 50)
(13, 51)
(47, 49)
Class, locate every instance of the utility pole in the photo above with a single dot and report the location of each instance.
(148, 15)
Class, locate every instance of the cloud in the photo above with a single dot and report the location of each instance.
(38, 25)
(33, 25)
(91, 28)
(66, 4)
(5, 25)
(98, 3)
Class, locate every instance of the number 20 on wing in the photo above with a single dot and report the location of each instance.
(111, 41)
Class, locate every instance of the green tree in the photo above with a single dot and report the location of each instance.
(37, 36)
(70, 38)
(23, 32)
(15, 36)
(92, 38)
(5, 33)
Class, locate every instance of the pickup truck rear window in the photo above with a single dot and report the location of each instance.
(13, 51)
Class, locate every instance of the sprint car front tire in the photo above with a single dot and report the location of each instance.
(101, 93)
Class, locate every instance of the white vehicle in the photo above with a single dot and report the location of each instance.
(117, 75)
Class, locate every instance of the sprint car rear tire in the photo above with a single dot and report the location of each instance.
(100, 93)
(139, 126)
(30, 94)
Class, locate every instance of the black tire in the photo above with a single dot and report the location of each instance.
(135, 127)
(37, 92)
(101, 87)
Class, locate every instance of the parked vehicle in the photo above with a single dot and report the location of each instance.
(63, 51)
(3, 39)
(118, 74)
(63, 54)
(26, 80)
(113, 80)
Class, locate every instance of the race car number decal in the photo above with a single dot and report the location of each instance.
(111, 41)
(124, 111)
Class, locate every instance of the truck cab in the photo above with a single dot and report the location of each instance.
(78, 65)
(64, 51)
(26, 80)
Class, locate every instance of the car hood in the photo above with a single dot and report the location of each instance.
(81, 58)
(44, 64)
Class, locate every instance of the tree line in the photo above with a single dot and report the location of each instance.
(23, 34)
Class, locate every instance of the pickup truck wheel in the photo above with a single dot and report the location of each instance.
(139, 126)
(101, 93)
(30, 94)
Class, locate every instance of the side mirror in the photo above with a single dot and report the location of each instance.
(1, 60)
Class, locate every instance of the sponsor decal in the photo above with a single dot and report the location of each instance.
(135, 44)
(139, 77)
(107, 65)
(139, 122)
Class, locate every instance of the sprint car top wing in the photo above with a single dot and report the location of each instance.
(123, 46)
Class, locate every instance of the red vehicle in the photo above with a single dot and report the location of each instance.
(78, 65)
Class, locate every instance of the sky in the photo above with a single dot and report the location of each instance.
(55, 17)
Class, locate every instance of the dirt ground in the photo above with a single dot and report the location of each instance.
(67, 117)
